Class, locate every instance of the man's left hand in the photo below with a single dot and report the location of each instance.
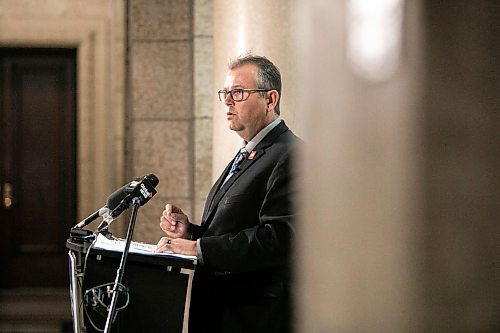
(176, 245)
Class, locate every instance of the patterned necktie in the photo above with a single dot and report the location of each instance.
(235, 167)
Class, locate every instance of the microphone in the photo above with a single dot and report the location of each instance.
(142, 189)
(100, 212)
(111, 203)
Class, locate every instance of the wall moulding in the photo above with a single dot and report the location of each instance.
(100, 102)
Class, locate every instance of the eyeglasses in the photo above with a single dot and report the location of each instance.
(238, 95)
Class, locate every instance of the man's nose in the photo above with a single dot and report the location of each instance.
(229, 100)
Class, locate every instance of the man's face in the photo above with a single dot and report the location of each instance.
(252, 114)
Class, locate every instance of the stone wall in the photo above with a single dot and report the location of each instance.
(169, 116)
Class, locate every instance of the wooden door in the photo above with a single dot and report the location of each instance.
(37, 165)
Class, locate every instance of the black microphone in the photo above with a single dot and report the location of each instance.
(142, 189)
(111, 203)
(100, 212)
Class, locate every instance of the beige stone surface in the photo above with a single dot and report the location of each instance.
(23, 9)
(203, 18)
(163, 148)
(162, 80)
(171, 100)
(202, 164)
(161, 19)
(204, 91)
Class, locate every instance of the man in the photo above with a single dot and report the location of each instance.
(244, 243)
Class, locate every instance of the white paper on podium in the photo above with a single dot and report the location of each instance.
(118, 245)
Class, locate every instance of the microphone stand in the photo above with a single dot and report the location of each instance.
(121, 268)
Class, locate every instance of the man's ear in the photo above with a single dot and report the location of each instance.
(272, 99)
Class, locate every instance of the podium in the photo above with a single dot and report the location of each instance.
(156, 289)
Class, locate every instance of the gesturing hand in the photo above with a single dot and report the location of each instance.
(174, 222)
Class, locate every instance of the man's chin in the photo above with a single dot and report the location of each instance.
(234, 127)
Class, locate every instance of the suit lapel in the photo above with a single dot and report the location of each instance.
(213, 192)
(215, 195)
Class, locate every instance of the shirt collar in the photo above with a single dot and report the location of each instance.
(259, 136)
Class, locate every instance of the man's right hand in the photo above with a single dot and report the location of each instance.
(174, 223)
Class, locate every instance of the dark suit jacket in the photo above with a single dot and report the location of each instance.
(246, 235)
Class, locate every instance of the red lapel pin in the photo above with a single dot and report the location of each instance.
(252, 155)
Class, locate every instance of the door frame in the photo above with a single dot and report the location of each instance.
(100, 102)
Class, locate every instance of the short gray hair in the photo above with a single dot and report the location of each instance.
(268, 77)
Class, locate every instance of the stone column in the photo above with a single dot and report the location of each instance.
(400, 201)
(169, 121)
(261, 27)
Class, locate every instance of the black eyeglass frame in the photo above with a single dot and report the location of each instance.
(223, 93)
